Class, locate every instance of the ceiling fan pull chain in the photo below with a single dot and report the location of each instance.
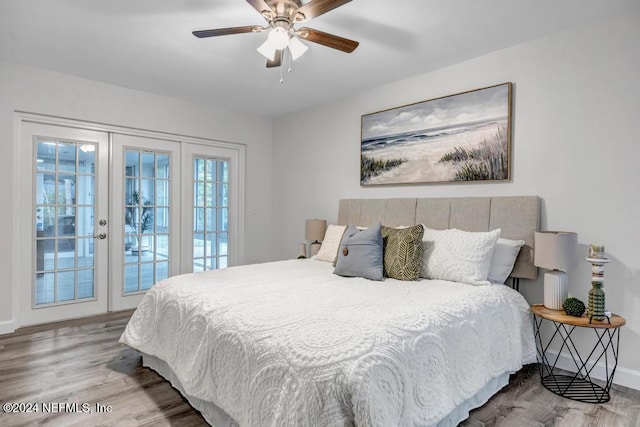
(289, 61)
(281, 78)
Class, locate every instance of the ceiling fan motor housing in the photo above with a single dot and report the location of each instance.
(285, 9)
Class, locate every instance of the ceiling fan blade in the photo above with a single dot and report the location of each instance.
(227, 31)
(263, 9)
(277, 60)
(326, 39)
(316, 8)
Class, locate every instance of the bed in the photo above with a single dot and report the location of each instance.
(289, 343)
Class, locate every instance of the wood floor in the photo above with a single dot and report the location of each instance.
(81, 362)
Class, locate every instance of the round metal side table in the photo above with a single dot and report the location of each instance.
(579, 385)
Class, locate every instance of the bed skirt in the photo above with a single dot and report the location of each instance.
(217, 417)
(213, 414)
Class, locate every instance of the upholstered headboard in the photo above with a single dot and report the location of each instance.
(517, 217)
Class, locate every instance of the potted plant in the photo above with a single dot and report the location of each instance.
(138, 223)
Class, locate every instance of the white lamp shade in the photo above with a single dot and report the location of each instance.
(314, 229)
(278, 38)
(297, 48)
(555, 250)
(267, 50)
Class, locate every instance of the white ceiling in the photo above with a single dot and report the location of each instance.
(147, 44)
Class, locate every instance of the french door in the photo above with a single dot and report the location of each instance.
(114, 213)
(145, 212)
(65, 198)
(211, 189)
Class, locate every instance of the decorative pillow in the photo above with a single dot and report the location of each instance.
(504, 257)
(332, 237)
(360, 253)
(403, 252)
(458, 256)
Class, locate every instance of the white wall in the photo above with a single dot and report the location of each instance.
(575, 144)
(39, 91)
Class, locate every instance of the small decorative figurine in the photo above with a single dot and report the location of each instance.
(573, 307)
(597, 258)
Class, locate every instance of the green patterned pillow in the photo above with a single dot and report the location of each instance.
(403, 252)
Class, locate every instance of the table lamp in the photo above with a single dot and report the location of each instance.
(314, 230)
(555, 251)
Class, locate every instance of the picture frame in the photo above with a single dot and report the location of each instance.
(465, 137)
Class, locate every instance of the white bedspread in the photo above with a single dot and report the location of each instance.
(290, 344)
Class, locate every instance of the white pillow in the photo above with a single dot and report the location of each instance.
(504, 257)
(330, 244)
(458, 256)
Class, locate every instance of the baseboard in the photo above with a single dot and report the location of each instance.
(7, 327)
(625, 377)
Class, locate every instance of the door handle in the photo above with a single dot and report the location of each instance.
(100, 236)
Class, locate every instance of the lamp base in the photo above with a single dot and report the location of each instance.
(315, 247)
(302, 250)
(556, 289)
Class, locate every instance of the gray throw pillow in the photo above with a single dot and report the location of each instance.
(360, 253)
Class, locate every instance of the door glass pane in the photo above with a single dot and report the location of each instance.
(162, 271)
(210, 245)
(84, 190)
(162, 165)
(162, 220)
(148, 165)
(210, 219)
(132, 163)
(147, 191)
(222, 243)
(199, 194)
(162, 192)
(85, 284)
(45, 288)
(67, 157)
(46, 155)
(222, 195)
(131, 278)
(147, 275)
(210, 213)
(66, 286)
(146, 214)
(85, 252)
(84, 221)
(86, 158)
(64, 221)
(222, 262)
(223, 219)
(162, 247)
(198, 169)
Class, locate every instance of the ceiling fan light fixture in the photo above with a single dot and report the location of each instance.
(278, 38)
(297, 48)
(267, 50)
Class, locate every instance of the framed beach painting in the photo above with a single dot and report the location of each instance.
(457, 138)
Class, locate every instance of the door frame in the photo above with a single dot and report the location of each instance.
(23, 247)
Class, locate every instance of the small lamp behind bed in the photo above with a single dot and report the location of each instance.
(555, 250)
(314, 230)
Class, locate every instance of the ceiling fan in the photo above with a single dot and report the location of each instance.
(282, 15)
